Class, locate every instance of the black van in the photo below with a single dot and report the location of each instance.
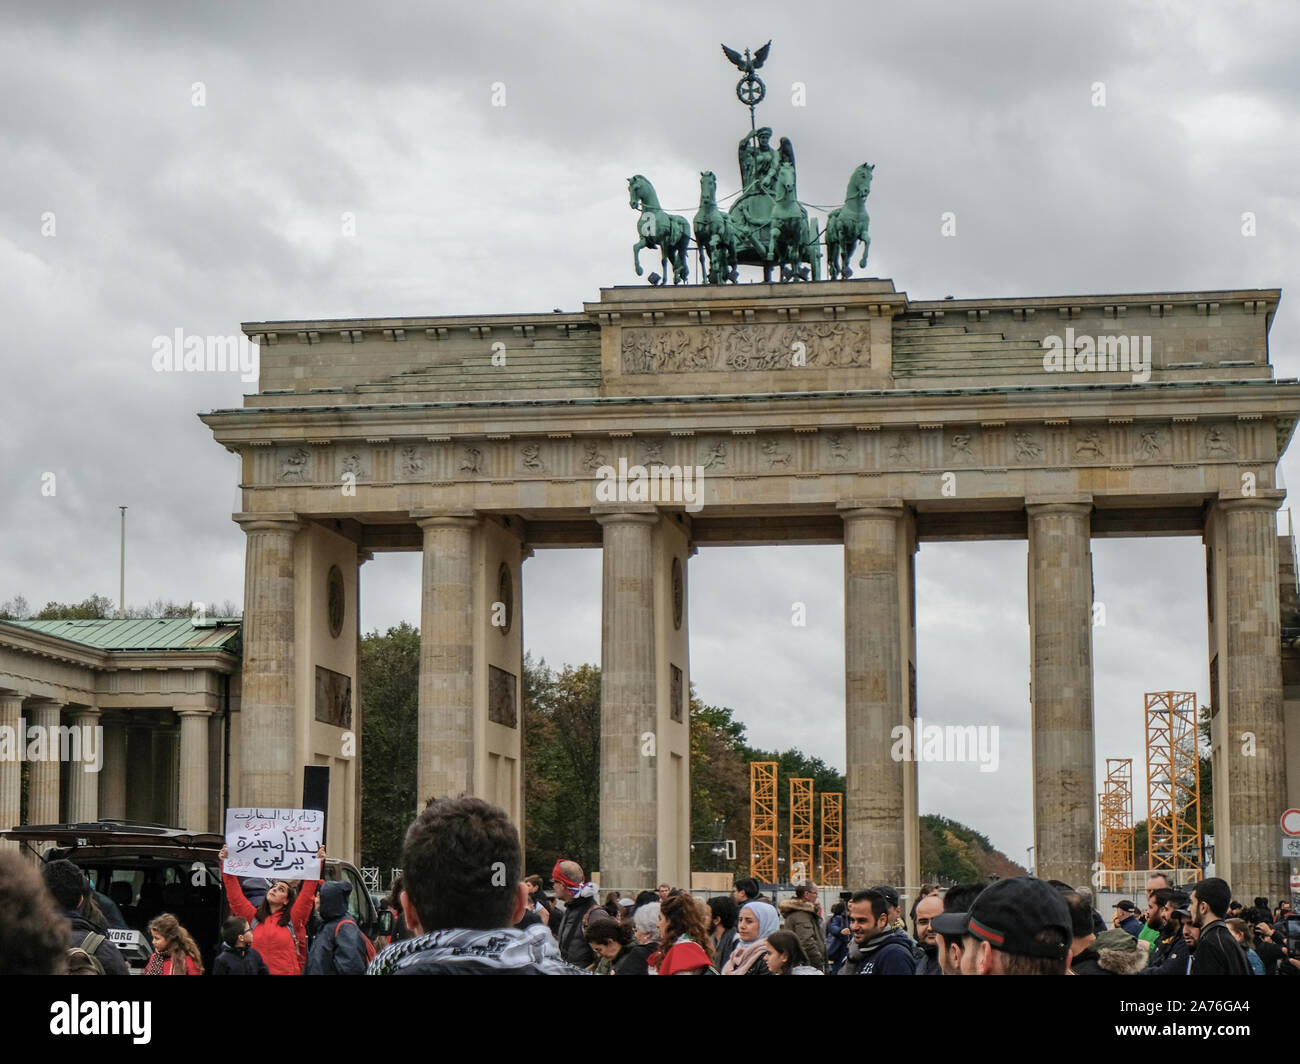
(147, 869)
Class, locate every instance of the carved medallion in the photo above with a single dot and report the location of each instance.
(679, 593)
(334, 600)
(506, 596)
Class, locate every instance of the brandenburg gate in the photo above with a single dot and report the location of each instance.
(838, 411)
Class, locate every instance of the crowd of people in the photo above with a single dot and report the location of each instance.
(462, 906)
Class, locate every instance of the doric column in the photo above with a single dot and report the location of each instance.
(877, 593)
(1060, 636)
(267, 758)
(629, 821)
(1254, 752)
(446, 701)
(112, 777)
(11, 769)
(43, 776)
(83, 775)
(193, 782)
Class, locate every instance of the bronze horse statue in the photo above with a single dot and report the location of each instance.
(658, 229)
(714, 235)
(848, 224)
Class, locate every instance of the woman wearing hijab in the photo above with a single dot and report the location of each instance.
(757, 920)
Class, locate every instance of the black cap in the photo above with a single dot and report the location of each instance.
(950, 925)
(1011, 912)
(890, 894)
(1126, 905)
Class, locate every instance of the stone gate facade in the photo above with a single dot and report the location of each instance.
(834, 412)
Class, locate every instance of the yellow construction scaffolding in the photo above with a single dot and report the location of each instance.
(1173, 780)
(762, 821)
(1116, 808)
(832, 839)
(801, 829)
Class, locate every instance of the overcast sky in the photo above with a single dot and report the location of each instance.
(128, 212)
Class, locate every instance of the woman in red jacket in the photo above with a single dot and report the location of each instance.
(280, 923)
(174, 951)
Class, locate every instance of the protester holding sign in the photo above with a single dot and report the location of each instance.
(279, 923)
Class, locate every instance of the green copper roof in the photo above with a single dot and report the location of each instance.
(167, 633)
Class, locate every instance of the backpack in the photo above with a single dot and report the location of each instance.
(367, 945)
(81, 957)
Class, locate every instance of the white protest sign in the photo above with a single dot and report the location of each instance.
(273, 843)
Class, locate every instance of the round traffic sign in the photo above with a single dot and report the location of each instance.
(1291, 822)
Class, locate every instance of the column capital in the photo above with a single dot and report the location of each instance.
(193, 711)
(894, 508)
(268, 522)
(427, 518)
(617, 513)
(1263, 499)
(1068, 503)
(81, 714)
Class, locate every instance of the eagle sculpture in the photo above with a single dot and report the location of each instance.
(746, 63)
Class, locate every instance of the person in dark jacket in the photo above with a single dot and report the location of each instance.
(237, 956)
(723, 912)
(799, 915)
(1169, 957)
(339, 947)
(462, 918)
(1126, 918)
(1217, 951)
(66, 882)
(579, 899)
(645, 930)
(837, 941)
(923, 914)
(1113, 952)
(877, 948)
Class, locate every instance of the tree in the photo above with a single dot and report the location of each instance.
(719, 786)
(15, 609)
(562, 765)
(95, 607)
(390, 683)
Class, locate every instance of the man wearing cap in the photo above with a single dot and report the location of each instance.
(1126, 918)
(1217, 951)
(1169, 957)
(897, 923)
(1018, 926)
(579, 899)
(950, 925)
(876, 949)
